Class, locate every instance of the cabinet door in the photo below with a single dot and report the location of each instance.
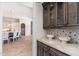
(46, 20)
(78, 13)
(46, 50)
(60, 14)
(52, 15)
(40, 49)
(72, 13)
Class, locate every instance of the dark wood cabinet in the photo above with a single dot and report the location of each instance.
(60, 14)
(48, 15)
(77, 12)
(55, 52)
(45, 50)
(42, 49)
(73, 13)
(53, 14)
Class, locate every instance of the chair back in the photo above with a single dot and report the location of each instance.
(10, 34)
(18, 34)
(15, 34)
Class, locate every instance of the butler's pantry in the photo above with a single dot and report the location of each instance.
(17, 29)
(39, 28)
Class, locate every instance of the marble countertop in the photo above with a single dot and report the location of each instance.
(71, 49)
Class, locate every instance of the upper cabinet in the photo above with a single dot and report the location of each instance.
(60, 14)
(53, 15)
(73, 13)
(77, 12)
(48, 15)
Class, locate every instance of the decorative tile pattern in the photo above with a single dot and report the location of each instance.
(71, 32)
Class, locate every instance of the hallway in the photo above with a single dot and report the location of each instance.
(21, 47)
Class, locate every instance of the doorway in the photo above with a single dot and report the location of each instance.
(22, 44)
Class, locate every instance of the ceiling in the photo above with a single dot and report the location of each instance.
(27, 4)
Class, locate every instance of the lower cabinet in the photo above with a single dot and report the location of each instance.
(42, 49)
(45, 50)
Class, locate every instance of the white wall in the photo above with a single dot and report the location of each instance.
(0, 29)
(38, 31)
(18, 10)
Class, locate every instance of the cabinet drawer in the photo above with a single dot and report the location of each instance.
(56, 52)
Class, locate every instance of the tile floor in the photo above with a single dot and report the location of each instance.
(21, 47)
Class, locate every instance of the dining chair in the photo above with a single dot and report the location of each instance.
(18, 35)
(5, 37)
(14, 36)
(10, 37)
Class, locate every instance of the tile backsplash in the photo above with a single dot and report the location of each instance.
(71, 32)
